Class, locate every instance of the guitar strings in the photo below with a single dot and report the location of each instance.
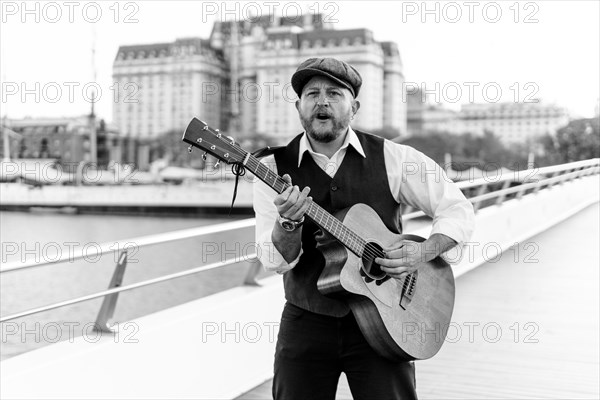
(351, 235)
(254, 163)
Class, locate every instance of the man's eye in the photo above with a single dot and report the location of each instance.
(334, 93)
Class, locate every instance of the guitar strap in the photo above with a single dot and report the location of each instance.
(238, 168)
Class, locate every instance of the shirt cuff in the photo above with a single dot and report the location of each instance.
(459, 232)
(271, 259)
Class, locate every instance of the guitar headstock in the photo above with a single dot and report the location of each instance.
(202, 136)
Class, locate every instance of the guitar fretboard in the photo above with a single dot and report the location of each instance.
(322, 218)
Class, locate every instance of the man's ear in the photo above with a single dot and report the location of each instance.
(355, 106)
(297, 105)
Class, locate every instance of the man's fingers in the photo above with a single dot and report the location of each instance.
(406, 248)
(296, 203)
(397, 272)
(302, 210)
(391, 262)
(302, 196)
(293, 197)
(284, 196)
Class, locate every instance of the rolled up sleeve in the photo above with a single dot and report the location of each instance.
(266, 216)
(421, 183)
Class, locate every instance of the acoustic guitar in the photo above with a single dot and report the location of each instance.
(402, 319)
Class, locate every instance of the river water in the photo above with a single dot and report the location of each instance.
(40, 236)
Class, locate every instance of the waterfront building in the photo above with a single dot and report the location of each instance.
(64, 139)
(423, 116)
(513, 122)
(510, 122)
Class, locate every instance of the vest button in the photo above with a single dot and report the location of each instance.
(334, 188)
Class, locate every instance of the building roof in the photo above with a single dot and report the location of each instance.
(323, 36)
(224, 28)
(326, 35)
(193, 45)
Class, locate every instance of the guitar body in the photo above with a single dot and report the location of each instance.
(400, 320)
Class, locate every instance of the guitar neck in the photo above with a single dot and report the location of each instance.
(322, 218)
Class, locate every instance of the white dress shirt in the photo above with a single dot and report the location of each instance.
(414, 179)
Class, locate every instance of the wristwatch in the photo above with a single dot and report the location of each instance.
(290, 225)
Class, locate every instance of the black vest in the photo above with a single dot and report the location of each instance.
(357, 180)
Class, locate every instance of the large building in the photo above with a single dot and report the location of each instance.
(238, 79)
(161, 85)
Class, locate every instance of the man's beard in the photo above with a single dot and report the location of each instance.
(323, 135)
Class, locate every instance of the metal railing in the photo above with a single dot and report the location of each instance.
(484, 190)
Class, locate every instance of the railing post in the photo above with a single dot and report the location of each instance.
(255, 269)
(109, 303)
(537, 186)
(500, 198)
(481, 190)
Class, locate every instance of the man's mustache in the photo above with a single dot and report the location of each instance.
(321, 111)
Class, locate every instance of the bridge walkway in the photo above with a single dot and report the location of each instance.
(525, 325)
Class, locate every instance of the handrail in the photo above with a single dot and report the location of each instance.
(594, 167)
(580, 168)
(141, 241)
(523, 187)
(130, 287)
(528, 174)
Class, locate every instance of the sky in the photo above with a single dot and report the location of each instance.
(460, 52)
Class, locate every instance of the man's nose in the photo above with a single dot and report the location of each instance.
(322, 100)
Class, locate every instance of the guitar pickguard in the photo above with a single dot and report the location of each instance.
(387, 293)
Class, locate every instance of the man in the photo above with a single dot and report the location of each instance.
(337, 167)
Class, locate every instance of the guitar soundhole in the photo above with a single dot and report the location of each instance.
(369, 267)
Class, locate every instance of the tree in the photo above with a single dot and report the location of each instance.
(486, 151)
(579, 140)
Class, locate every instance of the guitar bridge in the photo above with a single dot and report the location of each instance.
(408, 289)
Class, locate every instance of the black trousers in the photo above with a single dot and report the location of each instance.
(313, 350)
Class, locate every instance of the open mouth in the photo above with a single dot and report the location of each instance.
(322, 116)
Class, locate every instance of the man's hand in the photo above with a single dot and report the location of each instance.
(293, 203)
(405, 257)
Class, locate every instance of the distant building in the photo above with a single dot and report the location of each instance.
(423, 117)
(64, 139)
(239, 79)
(510, 122)
(513, 122)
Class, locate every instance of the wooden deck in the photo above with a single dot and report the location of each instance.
(524, 326)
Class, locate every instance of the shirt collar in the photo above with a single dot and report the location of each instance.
(350, 139)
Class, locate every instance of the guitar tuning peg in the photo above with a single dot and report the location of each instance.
(217, 164)
(232, 140)
(203, 156)
(190, 148)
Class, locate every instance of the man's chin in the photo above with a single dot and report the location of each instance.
(322, 135)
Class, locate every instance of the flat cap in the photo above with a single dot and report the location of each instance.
(336, 70)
